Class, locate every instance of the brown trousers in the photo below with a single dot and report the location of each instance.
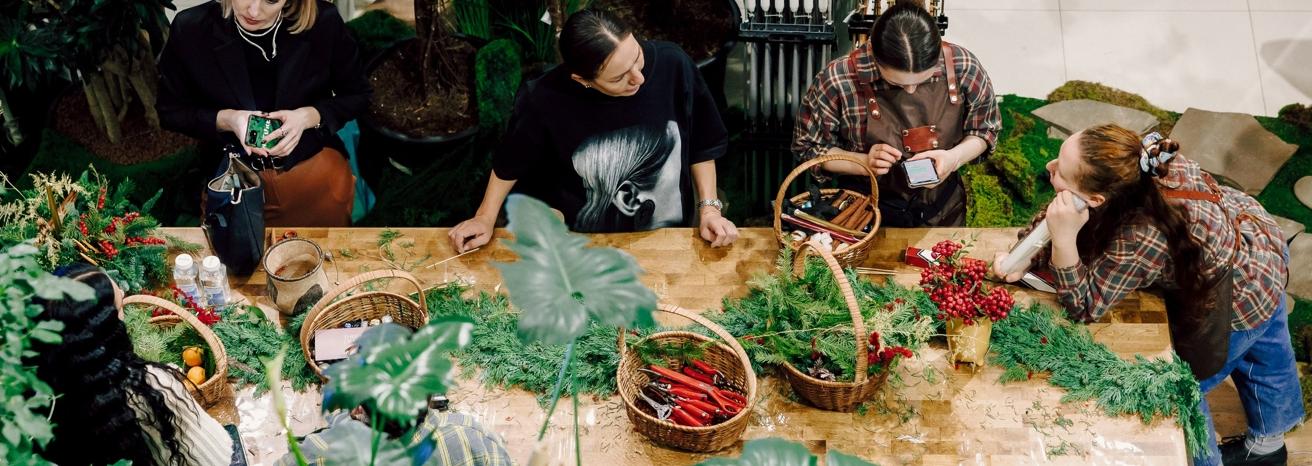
(318, 192)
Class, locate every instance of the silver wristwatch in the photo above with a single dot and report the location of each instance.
(711, 202)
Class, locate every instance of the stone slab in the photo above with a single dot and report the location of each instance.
(1071, 116)
(1300, 267)
(1232, 145)
(1303, 191)
(1291, 227)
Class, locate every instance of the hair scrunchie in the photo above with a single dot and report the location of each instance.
(1156, 151)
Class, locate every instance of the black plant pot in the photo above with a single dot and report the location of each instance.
(381, 146)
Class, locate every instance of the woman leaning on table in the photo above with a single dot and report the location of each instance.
(287, 60)
(622, 136)
(1156, 219)
(904, 95)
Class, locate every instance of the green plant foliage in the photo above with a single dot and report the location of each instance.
(781, 316)
(1300, 328)
(350, 443)
(520, 20)
(559, 284)
(473, 18)
(23, 419)
(779, 452)
(395, 370)
(1278, 197)
(31, 55)
(249, 339)
(496, 76)
(1040, 340)
(988, 204)
(100, 225)
(376, 30)
(1073, 90)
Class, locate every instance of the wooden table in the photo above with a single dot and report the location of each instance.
(940, 415)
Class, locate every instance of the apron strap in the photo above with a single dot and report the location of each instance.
(1213, 195)
(864, 90)
(950, 64)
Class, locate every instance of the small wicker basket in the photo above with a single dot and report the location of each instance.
(854, 254)
(211, 391)
(730, 360)
(334, 310)
(836, 396)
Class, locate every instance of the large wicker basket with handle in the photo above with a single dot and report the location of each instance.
(209, 392)
(335, 309)
(823, 394)
(849, 255)
(727, 356)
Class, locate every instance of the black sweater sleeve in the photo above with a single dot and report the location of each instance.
(351, 90)
(178, 108)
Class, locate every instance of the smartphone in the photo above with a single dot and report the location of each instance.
(920, 172)
(258, 128)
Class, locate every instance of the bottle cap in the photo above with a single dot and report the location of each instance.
(183, 261)
(210, 263)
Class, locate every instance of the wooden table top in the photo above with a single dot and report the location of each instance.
(940, 415)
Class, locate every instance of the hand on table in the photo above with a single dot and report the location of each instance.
(716, 229)
(471, 234)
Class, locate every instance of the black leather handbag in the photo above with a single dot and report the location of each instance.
(234, 214)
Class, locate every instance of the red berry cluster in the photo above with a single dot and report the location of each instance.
(955, 285)
(100, 203)
(879, 357)
(108, 248)
(142, 241)
(206, 315)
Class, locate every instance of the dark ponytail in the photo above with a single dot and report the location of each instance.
(588, 38)
(906, 38)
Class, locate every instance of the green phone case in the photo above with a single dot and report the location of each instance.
(258, 128)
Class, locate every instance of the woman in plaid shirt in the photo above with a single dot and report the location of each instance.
(1156, 219)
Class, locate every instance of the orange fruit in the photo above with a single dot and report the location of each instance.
(196, 375)
(192, 356)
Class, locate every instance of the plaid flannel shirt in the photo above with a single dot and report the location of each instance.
(832, 112)
(1139, 257)
(457, 440)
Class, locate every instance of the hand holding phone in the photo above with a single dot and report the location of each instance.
(258, 128)
(921, 172)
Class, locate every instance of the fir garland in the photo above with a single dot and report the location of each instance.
(790, 319)
(1041, 340)
(250, 339)
(89, 220)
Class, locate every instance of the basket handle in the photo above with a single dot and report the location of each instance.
(355, 281)
(854, 310)
(716, 329)
(220, 355)
(802, 168)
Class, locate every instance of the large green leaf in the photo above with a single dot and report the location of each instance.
(780, 452)
(559, 282)
(395, 371)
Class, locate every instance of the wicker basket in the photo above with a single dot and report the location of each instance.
(209, 392)
(332, 312)
(854, 254)
(836, 396)
(730, 360)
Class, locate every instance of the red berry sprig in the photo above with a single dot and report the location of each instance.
(955, 285)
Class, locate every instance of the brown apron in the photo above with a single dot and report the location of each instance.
(931, 118)
(1203, 340)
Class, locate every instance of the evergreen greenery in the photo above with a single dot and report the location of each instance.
(1040, 340)
(782, 316)
(250, 339)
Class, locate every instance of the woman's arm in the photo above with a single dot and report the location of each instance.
(176, 102)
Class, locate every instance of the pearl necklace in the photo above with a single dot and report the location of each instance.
(246, 35)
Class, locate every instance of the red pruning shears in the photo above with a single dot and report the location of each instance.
(730, 403)
(672, 410)
(717, 378)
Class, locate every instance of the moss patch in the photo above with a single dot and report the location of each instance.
(1278, 197)
(1011, 184)
(1073, 90)
(376, 30)
(1297, 114)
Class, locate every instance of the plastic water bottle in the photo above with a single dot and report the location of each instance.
(184, 277)
(214, 282)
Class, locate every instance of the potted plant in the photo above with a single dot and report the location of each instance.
(967, 307)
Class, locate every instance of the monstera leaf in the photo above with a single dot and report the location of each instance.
(559, 283)
(780, 452)
(349, 444)
(395, 371)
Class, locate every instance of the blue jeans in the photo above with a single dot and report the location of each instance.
(1261, 362)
